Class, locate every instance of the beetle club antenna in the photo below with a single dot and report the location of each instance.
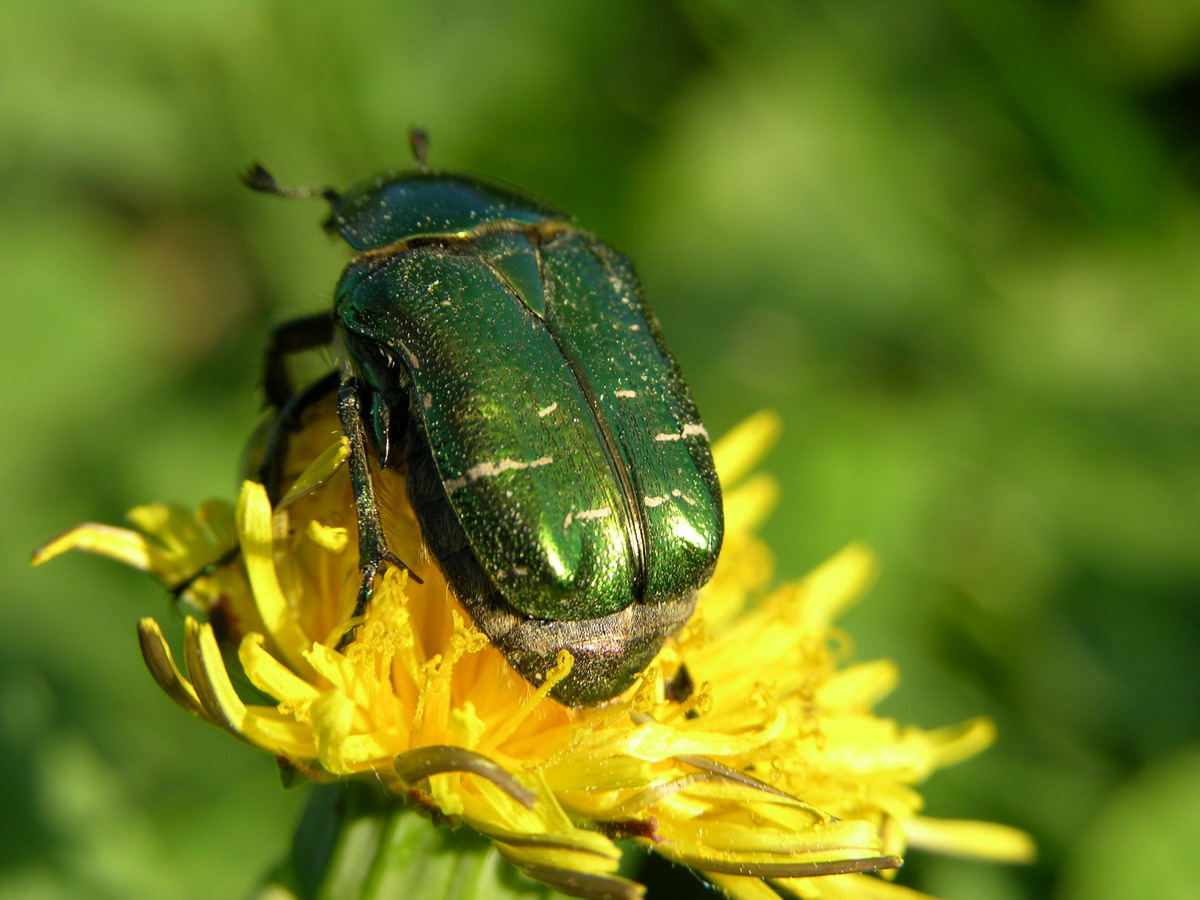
(259, 179)
(418, 141)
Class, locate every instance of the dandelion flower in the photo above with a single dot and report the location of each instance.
(747, 750)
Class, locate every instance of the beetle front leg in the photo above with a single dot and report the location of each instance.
(373, 552)
(268, 471)
(287, 339)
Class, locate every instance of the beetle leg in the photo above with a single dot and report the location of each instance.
(373, 553)
(269, 471)
(287, 339)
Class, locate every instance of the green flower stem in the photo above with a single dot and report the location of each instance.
(358, 842)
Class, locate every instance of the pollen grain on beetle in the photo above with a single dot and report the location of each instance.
(773, 772)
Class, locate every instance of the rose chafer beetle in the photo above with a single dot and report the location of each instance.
(555, 460)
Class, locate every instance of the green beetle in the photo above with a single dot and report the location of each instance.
(555, 460)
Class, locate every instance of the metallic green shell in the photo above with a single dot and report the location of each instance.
(565, 441)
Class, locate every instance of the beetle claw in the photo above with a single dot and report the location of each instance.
(371, 569)
(396, 561)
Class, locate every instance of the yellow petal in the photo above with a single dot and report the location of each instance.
(333, 716)
(837, 583)
(824, 849)
(278, 733)
(955, 743)
(213, 687)
(121, 544)
(258, 552)
(743, 448)
(749, 504)
(850, 887)
(579, 874)
(860, 686)
(967, 838)
(161, 664)
(269, 675)
(742, 888)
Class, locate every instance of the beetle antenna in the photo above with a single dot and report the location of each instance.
(259, 179)
(418, 141)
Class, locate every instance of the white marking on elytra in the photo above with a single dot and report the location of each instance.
(689, 430)
(652, 502)
(625, 395)
(546, 410)
(427, 400)
(676, 492)
(515, 572)
(490, 469)
(600, 512)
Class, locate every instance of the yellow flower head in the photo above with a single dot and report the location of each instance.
(744, 751)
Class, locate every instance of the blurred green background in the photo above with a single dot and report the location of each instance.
(953, 243)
